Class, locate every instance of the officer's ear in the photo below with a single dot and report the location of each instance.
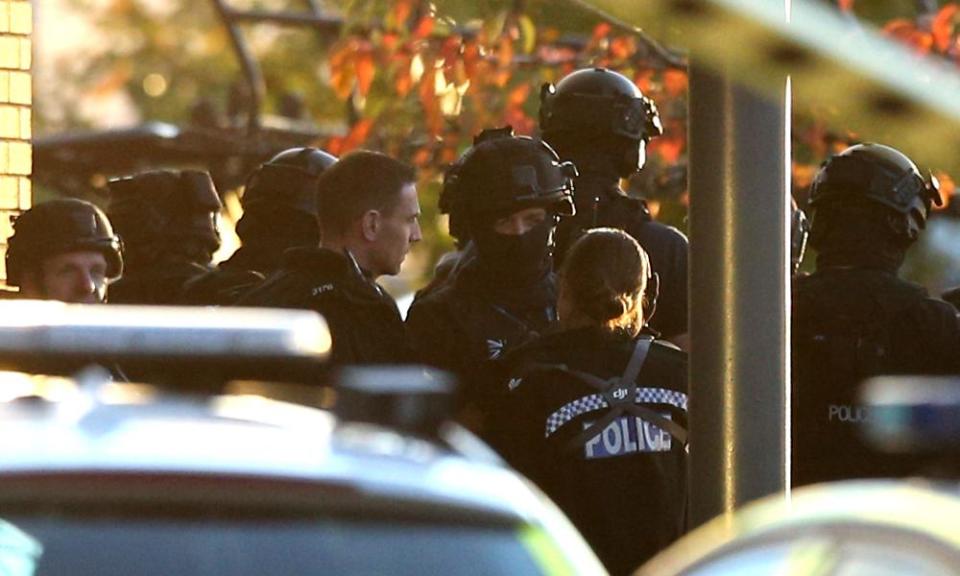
(370, 225)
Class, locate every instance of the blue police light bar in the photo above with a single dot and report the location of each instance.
(912, 413)
(40, 336)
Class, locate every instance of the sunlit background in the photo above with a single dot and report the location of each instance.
(414, 79)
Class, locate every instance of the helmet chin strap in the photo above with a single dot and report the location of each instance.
(632, 161)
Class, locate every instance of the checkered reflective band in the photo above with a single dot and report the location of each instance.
(593, 402)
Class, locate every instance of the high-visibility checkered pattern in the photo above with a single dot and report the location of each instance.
(593, 402)
(662, 396)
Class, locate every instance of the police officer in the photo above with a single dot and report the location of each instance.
(596, 412)
(853, 317)
(279, 212)
(64, 250)
(449, 264)
(600, 120)
(369, 219)
(168, 222)
(511, 190)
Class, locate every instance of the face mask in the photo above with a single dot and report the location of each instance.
(523, 257)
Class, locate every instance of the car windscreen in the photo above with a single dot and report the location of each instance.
(103, 546)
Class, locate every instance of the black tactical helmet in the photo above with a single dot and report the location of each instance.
(447, 202)
(879, 174)
(505, 173)
(289, 179)
(164, 206)
(60, 226)
(598, 102)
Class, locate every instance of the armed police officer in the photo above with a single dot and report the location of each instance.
(279, 212)
(853, 317)
(600, 120)
(510, 191)
(369, 218)
(449, 264)
(63, 250)
(596, 412)
(168, 222)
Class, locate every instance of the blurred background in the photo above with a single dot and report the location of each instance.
(121, 85)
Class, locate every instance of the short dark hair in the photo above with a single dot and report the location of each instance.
(360, 181)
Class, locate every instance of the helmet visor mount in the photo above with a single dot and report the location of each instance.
(559, 197)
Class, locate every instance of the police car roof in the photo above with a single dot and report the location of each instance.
(66, 447)
(914, 517)
(46, 336)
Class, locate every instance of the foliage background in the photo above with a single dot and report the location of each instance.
(417, 80)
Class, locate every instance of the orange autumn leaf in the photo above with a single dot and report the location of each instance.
(422, 157)
(390, 42)
(518, 96)
(942, 27)
(471, 57)
(401, 12)
(675, 82)
(642, 79)
(450, 52)
(358, 135)
(622, 47)
(424, 27)
(601, 30)
(669, 148)
(907, 33)
(899, 28)
(505, 52)
(846, 5)
(402, 81)
(365, 70)
(430, 102)
(803, 174)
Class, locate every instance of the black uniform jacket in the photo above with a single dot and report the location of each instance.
(624, 488)
(161, 283)
(667, 247)
(220, 286)
(850, 324)
(364, 322)
(466, 323)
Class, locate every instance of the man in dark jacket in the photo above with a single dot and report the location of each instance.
(599, 120)
(510, 192)
(853, 318)
(369, 219)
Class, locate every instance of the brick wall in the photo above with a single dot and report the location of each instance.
(16, 24)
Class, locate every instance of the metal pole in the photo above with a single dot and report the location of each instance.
(251, 70)
(739, 286)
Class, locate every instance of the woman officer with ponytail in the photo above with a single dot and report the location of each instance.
(597, 414)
